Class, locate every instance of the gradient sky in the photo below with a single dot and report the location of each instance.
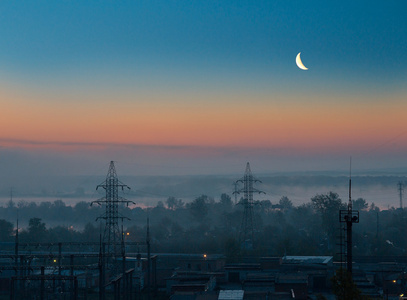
(200, 87)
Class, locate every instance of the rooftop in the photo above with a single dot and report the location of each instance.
(231, 295)
(307, 259)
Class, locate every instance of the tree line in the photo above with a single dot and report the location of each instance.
(208, 225)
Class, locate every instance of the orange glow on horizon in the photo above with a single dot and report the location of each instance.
(292, 124)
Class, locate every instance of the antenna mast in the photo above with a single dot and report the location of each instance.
(349, 217)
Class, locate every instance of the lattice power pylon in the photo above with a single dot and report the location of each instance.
(112, 235)
(246, 234)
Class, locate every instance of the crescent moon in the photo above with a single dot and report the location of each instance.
(299, 62)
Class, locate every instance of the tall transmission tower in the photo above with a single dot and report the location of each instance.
(348, 217)
(246, 234)
(400, 187)
(112, 235)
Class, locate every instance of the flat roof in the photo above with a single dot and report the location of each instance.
(308, 259)
(231, 295)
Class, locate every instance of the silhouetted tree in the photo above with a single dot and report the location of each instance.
(6, 230)
(373, 207)
(327, 203)
(285, 203)
(36, 230)
(226, 201)
(199, 207)
(174, 203)
(359, 204)
(328, 207)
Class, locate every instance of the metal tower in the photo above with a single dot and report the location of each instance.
(112, 234)
(246, 235)
(348, 217)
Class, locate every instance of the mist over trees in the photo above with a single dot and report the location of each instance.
(208, 225)
(381, 189)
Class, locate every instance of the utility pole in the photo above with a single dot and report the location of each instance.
(246, 235)
(400, 187)
(112, 235)
(148, 259)
(16, 249)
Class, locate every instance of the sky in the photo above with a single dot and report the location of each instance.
(201, 87)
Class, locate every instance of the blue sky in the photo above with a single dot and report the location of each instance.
(136, 58)
(55, 38)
